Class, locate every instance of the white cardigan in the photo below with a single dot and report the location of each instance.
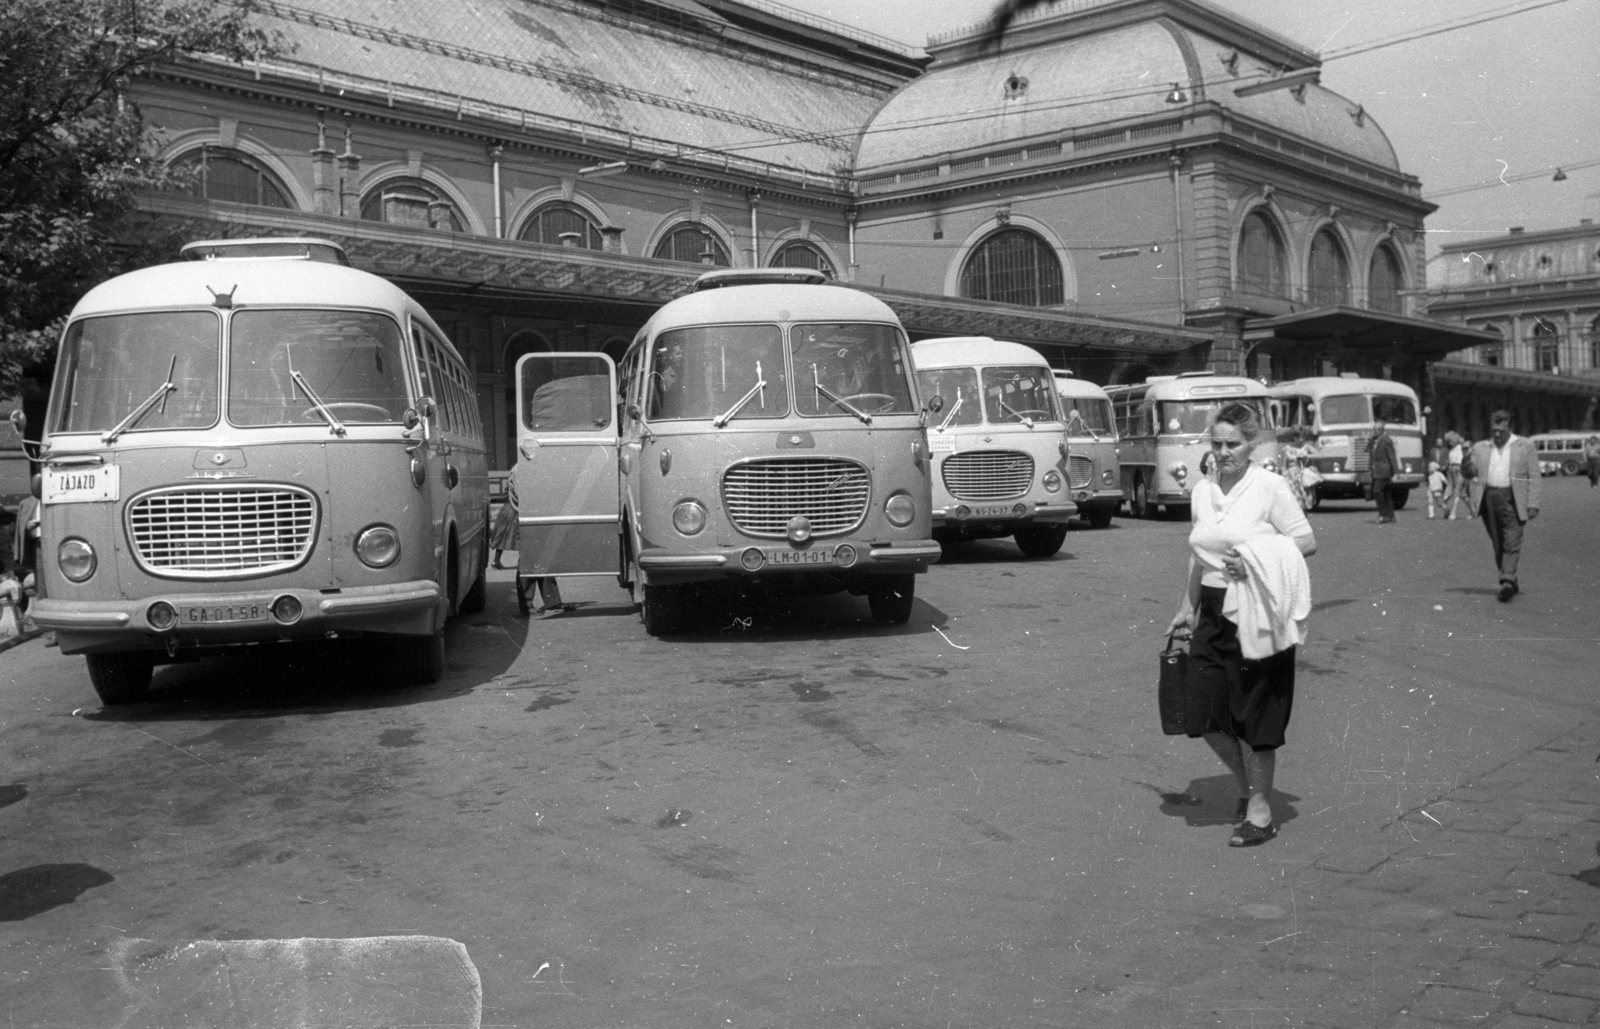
(1271, 605)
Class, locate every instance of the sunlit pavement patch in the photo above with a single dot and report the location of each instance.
(298, 984)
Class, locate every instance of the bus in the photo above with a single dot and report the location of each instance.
(1094, 468)
(250, 450)
(1561, 451)
(998, 444)
(771, 438)
(1341, 412)
(1164, 423)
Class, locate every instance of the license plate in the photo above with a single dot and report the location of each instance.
(993, 511)
(81, 485)
(211, 614)
(941, 444)
(798, 557)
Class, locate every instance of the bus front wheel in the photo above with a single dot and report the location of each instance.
(1399, 496)
(660, 607)
(1099, 516)
(121, 678)
(891, 598)
(1140, 506)
(1041, 540)
(419, 660)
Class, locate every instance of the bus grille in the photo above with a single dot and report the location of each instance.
(761, 496)
(216, 532)
(981, 475)
(1080, 472)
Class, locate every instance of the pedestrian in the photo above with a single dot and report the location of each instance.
(1591, 456)
(1453, 472)
(1243, 611)
(1383, 464)
(1508, 494)
(507, 535)
(1437, 485)
(1439, 451)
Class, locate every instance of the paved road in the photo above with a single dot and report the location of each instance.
(796, 817)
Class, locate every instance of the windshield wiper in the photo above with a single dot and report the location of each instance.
(725, 417)
(143, 409)
(837, 399)
(1024, 419)
(1076, 417)
(953, 409)
(335, 426)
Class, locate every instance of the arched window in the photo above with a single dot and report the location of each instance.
(693, 243)
(799, 254)
(218, 173)
(1385, 280)
(1546, 346)
(1328, 278)
(412, 202)
(1013, 266)
(552, 221)
(1261, 260)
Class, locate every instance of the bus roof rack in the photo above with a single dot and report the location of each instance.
(759, 277)
(296, 248)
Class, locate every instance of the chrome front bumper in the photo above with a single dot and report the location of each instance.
(955, 515)
(865, 558)
(220, 619)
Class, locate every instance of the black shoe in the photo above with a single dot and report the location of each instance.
(1507, 591)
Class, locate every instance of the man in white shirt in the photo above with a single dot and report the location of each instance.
(1508, 494)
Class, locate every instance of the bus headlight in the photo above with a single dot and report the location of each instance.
(76, 559)
(287, 609)
(689, 517)
(1052, 481)
(900, 510)
(1108, 477)
(1180, 472)
(161, 616)
(799, 529)
(378, 546)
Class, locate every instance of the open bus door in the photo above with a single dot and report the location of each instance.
(566, 473)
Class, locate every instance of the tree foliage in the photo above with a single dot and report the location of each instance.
(74, 150)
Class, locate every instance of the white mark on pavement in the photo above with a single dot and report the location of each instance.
(1432, 819)
(949, 640)
(541, 969)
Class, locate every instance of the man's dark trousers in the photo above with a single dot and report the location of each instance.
(1505, 529)
(1385, 499)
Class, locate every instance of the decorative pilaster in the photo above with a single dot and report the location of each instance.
(324, 188)
(349, 178)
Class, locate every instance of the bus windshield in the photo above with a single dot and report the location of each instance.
(113, 367)
(1345, 410)
(1019, 393)
(712, 370)
(1088, 413)
(1393, 410)
(1192, 417)
(350, 360)
(849, 368)
(958, 388)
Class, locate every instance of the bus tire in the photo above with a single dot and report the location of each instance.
(419, 660)
(1099, 516)
(477, 597)
(1571, 467)
(891, 598)
(1139, 505)
(121, 678)
(660, 608)
(1041, 540)
(1399, 495)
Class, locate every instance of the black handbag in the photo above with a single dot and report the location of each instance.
(1172, 690)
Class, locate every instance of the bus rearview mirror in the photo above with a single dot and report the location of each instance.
(935, 404)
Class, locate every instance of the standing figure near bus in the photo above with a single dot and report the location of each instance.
(1244, 608)
(1455, 453)
(1437, 485)
(1508, 494)
(1384, 464)
(1591, 457)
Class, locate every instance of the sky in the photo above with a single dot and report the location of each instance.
(1498, 106)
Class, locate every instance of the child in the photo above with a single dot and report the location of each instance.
(1437, 487)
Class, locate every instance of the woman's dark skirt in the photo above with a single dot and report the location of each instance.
(1226, 693)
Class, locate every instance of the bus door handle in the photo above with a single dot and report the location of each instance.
(451, 476)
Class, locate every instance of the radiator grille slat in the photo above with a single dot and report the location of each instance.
(983, 475)
(207, 532)
(1080, 472)
(761, 496)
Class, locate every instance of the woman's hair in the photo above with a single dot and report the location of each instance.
(1241, 417)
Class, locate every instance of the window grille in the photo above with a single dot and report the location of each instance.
(1013, 267)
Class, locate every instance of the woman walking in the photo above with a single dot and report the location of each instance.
(1244, 609)
(507, 530)
(1455, 453)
